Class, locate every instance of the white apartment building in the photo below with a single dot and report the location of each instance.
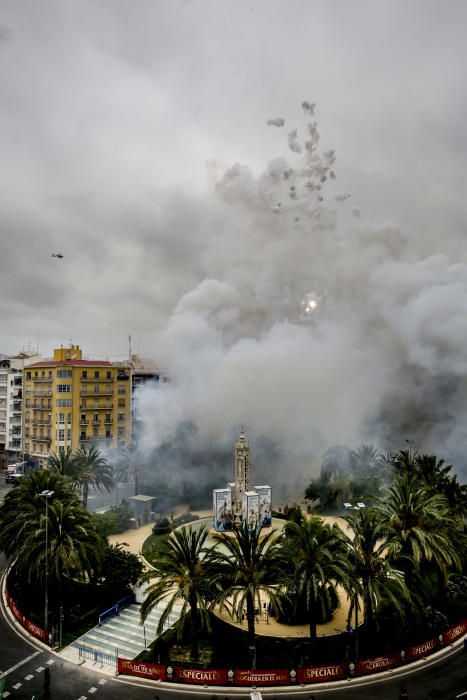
(11, 404)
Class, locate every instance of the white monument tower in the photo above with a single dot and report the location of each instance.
(241, 474)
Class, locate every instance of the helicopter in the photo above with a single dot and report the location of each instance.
(57, 255)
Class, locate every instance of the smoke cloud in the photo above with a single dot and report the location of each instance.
(379, 356)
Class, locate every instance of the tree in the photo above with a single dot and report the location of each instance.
(120, 570)
(247, 566)
(316, 553)
(66, 464)
(419, 529)
(75, 549)
(182, 576)
(133, 467)
(93, 470)
(375, 578)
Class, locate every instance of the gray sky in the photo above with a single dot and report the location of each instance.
(118, 124)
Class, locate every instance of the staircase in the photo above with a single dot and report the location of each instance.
(123, 635)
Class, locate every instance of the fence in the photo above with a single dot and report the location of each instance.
(115, 609)
(97, 657)
(276, 677)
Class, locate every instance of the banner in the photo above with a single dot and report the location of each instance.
(321, 674)
(200, 676)
(28, 625)
(381, 663)
(36, 631)
(270, 677)
(157, 672)
(417, 651)
(455, 632)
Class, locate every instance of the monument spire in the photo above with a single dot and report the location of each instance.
(241, 474)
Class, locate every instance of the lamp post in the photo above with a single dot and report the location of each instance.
(46, 494)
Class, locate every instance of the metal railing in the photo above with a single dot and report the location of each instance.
(88, 654)
(115, 609)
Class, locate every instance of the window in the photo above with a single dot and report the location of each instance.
(121, 417)
(69, 418)
(83, 435)
(28, 375)
(121, 403)
(64, 388)
(84, 374)
(96, 418)
(96, 374)
(61, 449)
(26, 447)
(121, 433)
(61, 434)
(95, 432)
(109, 374)
(27, 416)
(61, 373)
(108, 418)
(96, 388)
(69, 433)
(61, 417)
(28, 403)
(121, 390)
(36, 374)
(63, 403)
(107, 434)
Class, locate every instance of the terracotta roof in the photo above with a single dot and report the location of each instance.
(71, 363)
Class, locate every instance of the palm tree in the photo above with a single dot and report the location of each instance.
(66, 464)
(93, 470)
(133, 465)
(182, 576)
(317, 553)
(419, 529)
(247, 568)
(365, 460)
(377, 580)
(74, 547)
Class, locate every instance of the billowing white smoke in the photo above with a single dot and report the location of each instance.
(380, 358)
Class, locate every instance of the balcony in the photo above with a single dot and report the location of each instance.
(103, 391)
(84, 422)
(108, 421)
(93, 380)
(96, 422)
(42, 421)
(102, 407)
(42, 380)
(42, 392)
(43, 438)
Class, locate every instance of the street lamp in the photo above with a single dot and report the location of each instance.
(46, 494)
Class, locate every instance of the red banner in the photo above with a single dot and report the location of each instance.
(417, 651)
(201, 676)
(321, 674)
(381, 663)
(36, 631)
(157, 672)
(455, 632)
(271, 677)
(14, 609)
(28, 625)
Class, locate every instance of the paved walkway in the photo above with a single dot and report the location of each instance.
(266, 625)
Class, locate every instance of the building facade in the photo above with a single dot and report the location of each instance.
(69, 403)
(11, 404)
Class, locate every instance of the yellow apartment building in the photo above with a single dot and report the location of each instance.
(69, 402)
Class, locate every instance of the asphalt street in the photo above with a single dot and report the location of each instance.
(23, 665)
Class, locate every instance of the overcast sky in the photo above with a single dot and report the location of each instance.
(135, 141)
(111, 110)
